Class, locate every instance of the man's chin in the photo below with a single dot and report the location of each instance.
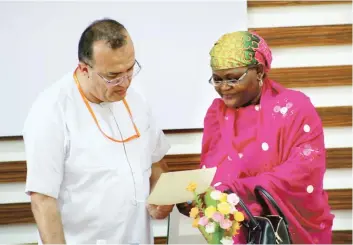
(114, 97)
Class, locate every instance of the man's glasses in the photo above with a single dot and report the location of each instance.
(132, 72)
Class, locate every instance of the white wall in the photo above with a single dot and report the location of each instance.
(283, 57)
(171, 42)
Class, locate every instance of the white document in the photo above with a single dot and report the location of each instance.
(171, 187)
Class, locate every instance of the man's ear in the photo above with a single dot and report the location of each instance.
(83, 67)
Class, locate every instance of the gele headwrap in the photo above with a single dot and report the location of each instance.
(239, 49)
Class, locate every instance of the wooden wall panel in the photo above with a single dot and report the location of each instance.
(339, 158)
(16, 213)
(20, 213)
(320, 76)
(160, 240)
(332, 116)
(336, 158)
(281, 3)
(298, 36)
(338, 237)
(11, 172)
(336, 116)
(342, 237)
(340, 199)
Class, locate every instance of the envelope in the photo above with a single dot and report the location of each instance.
(171, 187)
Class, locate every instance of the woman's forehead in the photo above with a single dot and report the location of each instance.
(231, 71)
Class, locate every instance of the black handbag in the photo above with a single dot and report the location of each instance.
(268, 228)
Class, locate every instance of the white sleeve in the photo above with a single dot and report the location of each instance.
(44, 139)
(160, 142)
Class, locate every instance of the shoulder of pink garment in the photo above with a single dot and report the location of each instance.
(214, 111)
(211, 129)
(300, 101)
(290, 98)
(291, 104)
(216, 105)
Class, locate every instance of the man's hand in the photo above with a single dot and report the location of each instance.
(159, 211)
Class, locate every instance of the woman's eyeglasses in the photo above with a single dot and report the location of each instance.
(231, 82)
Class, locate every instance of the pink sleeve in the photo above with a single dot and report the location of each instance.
(297, 183)
(211, 131)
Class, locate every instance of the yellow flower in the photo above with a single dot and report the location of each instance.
(239, 216)
(195, 223)
(223, 208)
(192, 186)
(223, 197)
(194, 212)
(209, 211)
(235, 228)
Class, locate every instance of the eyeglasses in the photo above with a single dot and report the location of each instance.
(230, 82)
(132, 72)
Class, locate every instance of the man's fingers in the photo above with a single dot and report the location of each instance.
(159, 211)
(152, 206)
(165, 208)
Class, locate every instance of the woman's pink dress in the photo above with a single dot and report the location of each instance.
(278, 144)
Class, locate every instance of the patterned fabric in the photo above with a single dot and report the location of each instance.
(278, 144)
(238, 49)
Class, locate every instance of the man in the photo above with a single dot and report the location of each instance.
(90, 142)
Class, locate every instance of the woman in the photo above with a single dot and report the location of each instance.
(260, 133)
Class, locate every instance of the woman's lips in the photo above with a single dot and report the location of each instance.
(228, 96)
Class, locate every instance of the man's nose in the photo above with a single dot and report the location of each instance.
(124, 82)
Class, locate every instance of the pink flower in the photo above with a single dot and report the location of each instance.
(226, 224)
(218, 217)
(233, 199)
(203, 221)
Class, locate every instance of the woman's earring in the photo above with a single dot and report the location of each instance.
(260, 83)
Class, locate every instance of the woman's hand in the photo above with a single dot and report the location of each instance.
(185, 207)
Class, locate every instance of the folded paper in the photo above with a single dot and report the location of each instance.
(171, 187)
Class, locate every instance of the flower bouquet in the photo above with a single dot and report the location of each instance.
(215, 215)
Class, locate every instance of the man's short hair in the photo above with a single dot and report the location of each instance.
(111, 31)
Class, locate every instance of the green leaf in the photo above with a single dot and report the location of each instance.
(208, 199)
(212, 238)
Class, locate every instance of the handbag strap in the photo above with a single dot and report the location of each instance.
(253, 223)
(260, 193)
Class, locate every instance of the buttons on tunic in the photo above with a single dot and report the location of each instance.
(226, 117)
(240, 155)
(306, 128)
(307, 150)
(229, 158)
(310, 188)
(283, 110)
(289, 105)
(257, 107)
(277, 108)
(264, 146)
